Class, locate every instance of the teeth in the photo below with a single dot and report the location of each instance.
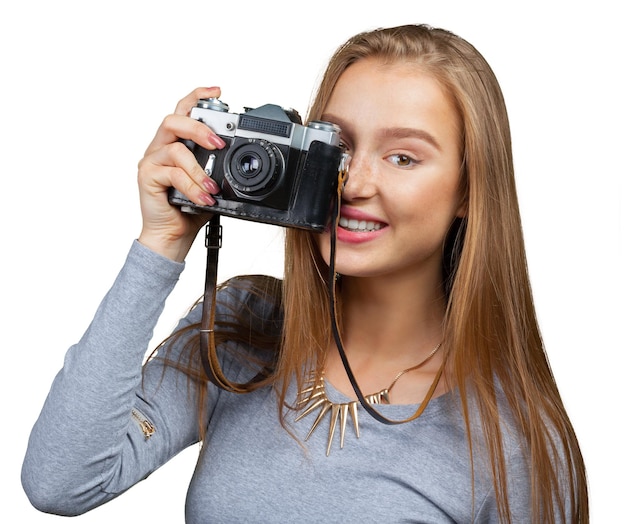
(359, 225)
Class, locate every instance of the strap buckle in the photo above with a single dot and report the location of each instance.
(213, 236)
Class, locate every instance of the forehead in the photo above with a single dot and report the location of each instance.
(401, 93)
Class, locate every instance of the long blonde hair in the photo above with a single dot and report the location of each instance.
(491, 332)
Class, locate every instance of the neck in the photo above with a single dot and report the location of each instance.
(392, 318)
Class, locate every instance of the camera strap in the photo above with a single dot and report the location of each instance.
(332, 292)
(208, 353)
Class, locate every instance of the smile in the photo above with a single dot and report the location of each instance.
(359, 225)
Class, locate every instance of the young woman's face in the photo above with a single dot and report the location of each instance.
(402, 194)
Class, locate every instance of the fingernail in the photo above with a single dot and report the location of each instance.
(216, 141)
(207, 199)
(210, 185)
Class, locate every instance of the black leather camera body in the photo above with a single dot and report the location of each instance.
(272, 170)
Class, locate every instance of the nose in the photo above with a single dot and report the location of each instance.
(360, 183)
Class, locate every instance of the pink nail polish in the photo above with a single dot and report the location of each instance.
(210, 185)
(216, 141)
(207, 199)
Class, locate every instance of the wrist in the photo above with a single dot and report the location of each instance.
(174, 249)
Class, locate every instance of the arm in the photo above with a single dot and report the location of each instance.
(86, 447)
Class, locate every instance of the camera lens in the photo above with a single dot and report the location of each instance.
(250, 165)
(254, 167)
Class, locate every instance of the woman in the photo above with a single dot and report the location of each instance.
(435, 319)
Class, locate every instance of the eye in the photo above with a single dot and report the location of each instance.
(402, 160)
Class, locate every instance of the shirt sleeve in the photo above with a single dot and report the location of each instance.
(105, 425)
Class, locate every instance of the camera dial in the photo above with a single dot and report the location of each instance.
(213, 103)
(324, 126)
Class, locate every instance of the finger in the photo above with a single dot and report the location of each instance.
(185, 105)
(176, 126)
(175, 166)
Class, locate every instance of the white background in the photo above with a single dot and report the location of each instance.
(85, 85)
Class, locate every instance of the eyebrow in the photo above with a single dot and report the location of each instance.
(393, 132)
(409, 132)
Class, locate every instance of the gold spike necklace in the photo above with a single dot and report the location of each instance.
(313, 396)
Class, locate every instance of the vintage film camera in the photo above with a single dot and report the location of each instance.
(272, 170)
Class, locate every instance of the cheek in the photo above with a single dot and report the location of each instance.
(432, 196)
(322, 243)
(431, 206)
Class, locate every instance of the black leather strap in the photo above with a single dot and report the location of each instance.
(208, 353)
(332, 285)
(213, 243)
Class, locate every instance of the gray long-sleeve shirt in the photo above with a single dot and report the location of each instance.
(88, 446)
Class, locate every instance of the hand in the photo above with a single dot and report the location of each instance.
(169, 163)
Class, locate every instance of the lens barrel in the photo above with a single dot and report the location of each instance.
(254, 166)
